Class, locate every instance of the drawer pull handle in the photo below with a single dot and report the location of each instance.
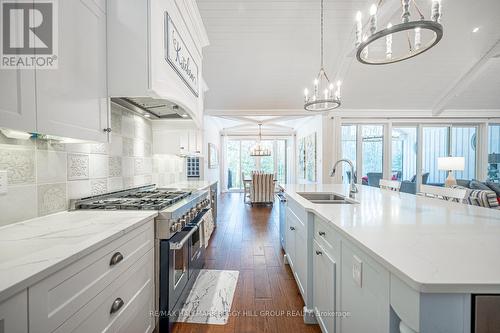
(292, 228)
(319, 253)
(115, 259)
(117, 304)
(322, 233)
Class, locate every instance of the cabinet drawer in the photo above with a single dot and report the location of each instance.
(297, 209)
(59, 296)
(326, 236)
(296, 222)
(135, 288)
(14, 314)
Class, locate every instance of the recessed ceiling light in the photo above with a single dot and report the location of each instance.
(147, 115)
(476, 29)
(184, 115)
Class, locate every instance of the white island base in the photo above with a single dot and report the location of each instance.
(390, 262)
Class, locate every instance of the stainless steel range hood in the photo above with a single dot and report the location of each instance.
(152, 108)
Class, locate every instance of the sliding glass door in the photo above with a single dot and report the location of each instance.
(404, 153)
(372, 137)
(493, 171)
(443, 141)
(240, 164)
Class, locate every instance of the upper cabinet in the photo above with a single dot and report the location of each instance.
(70, 98)
(155, 50)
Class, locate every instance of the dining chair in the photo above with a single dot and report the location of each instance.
(391, 185)
(443, 193)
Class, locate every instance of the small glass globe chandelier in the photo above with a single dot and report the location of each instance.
(325, 95)
(258, 150)
(400, 41)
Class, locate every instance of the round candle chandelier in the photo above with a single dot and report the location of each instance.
(401, 41)
(326, 95)
(258, 150)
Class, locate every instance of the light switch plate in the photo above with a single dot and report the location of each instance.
(3, 181)
(357, 270)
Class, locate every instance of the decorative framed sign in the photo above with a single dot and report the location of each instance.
(178, 56)
(213, 158)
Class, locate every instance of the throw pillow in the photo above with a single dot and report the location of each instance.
(495, 187)
(477, 185)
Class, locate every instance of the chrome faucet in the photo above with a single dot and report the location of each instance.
(353, 189)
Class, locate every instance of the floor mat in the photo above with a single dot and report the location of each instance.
(211, 297)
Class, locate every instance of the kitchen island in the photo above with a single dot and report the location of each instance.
(390, 259)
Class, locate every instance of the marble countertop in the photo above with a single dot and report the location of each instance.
(34, 249)
(433, 245)
(195, 185)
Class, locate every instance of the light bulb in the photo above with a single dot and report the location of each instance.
(373, 9)
(339, 83)
(389, 25)
(373, 19)
(330, 86)
(306, 92)
(315, 82)
(359, 16)
(418, 39)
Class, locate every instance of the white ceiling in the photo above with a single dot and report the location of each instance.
(263, 53)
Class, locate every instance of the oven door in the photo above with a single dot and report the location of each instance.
(197, 248)
(178, 264)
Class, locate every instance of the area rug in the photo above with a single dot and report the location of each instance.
(211, 297)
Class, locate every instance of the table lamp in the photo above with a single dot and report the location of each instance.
(451, 164)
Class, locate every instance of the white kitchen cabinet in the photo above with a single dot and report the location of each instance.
(324, 284)
(367, 298)
(72, 100)
(291, 228)
(17, 100)
(14, 314)
(296, 250)
(17, 96)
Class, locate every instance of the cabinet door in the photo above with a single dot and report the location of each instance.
(17, 95)
(324, 288)
(14, 314)
(72, 100)
(301, 261)
(367, 302)
(290, 238)
(166, 142)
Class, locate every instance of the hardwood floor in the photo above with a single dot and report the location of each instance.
(247, 239)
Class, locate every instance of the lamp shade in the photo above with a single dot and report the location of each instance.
(451, 163)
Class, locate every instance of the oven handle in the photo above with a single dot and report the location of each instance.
(179, 245)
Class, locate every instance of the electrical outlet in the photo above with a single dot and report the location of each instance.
(357, 270)
(3, 181)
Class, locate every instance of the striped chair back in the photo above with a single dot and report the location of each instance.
(391, 185)
(262, 188)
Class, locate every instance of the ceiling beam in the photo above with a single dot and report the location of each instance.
(256, 112)
(465, 80)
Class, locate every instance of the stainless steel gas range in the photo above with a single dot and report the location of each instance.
(179, 238)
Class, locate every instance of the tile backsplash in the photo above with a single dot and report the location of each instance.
(44, 174)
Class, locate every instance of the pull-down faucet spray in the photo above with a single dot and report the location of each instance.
(353, 188)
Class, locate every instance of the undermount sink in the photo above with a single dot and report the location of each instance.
(326, 198)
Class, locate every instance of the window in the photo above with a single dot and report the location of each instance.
(348, 150)
(404, 153)
(281, 160)
(373, 153)
(494, 153)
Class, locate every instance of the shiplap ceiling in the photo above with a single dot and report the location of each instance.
(263, 53)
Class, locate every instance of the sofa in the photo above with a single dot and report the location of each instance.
(483, 194)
